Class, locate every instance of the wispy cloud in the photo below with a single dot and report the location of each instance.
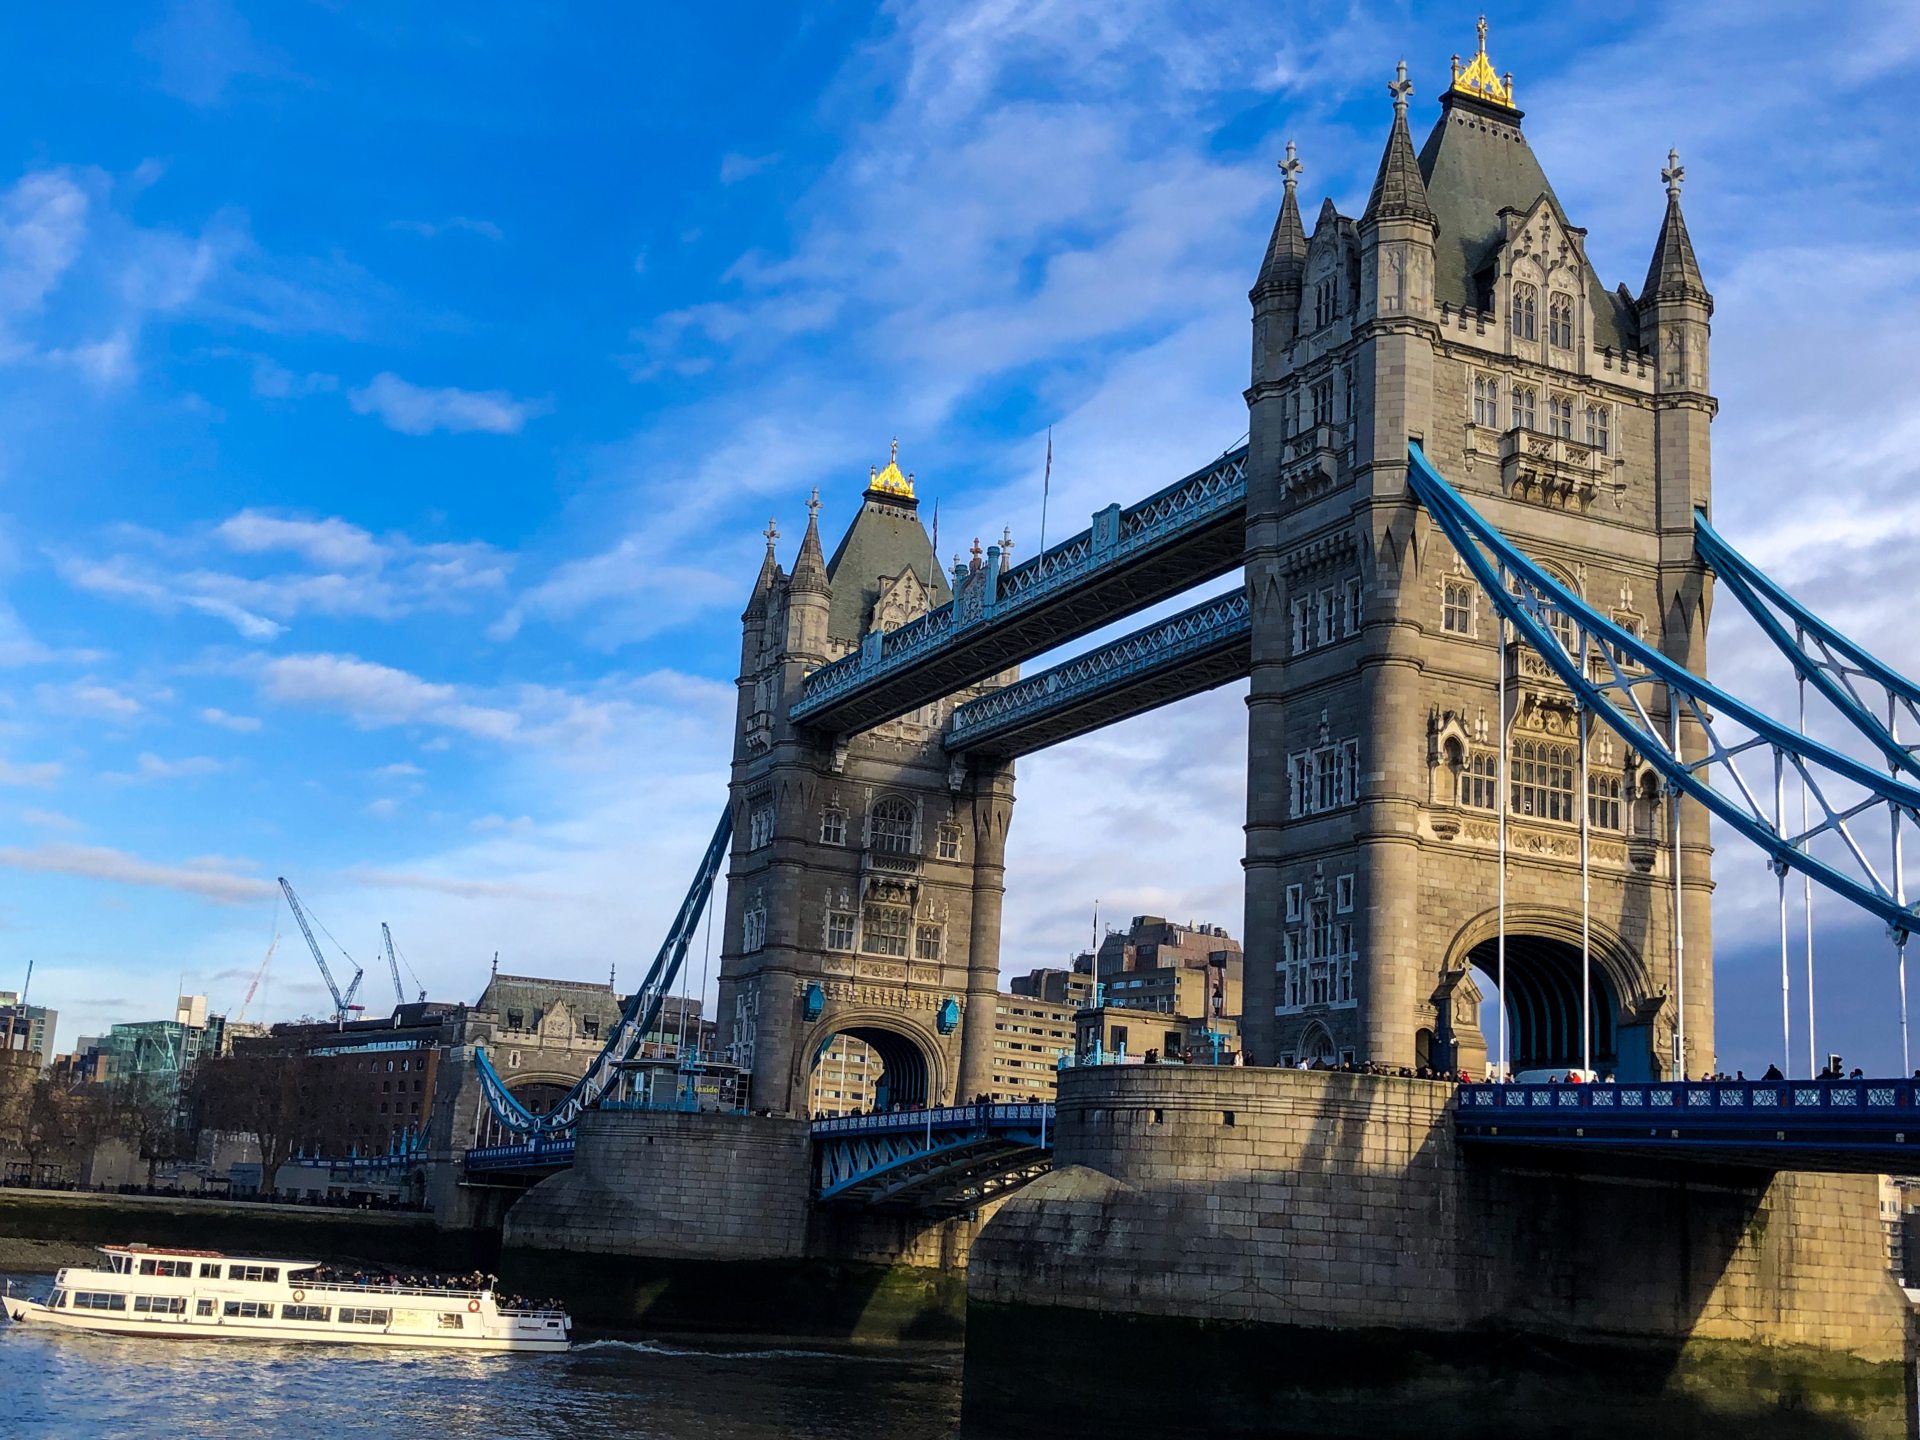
(243, 724)
(354, 573)
(202, 47)
(37, 774)
(421, 410)
(50, 820)
(210, 878)
(150, 768)
(433, 229)
(735, 167)
(461, 887)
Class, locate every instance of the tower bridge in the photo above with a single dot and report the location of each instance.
(1472, 518)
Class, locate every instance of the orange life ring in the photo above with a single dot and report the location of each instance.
(298, 1296)
(473, 1307)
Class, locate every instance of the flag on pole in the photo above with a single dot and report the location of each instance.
(1046, 486)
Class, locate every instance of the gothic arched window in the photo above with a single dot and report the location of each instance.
(890, 828)
(1526, 305)
(1560, 321)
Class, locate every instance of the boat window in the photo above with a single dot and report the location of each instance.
(209, 1272)
(203, 1307)
(349, 1316)
(452, 1320)
(268, 1273)
(306, 1312)
(181, 1268)
(57, 1300)
(248, 1310)
(160, 1304)
(93, 1300)
(146, 1267)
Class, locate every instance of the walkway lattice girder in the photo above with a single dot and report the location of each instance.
(1129, 559)
(1172, 659)
(944, 1161)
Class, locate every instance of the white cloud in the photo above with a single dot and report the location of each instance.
(202, 47)
(275, 382)
(43, 225)
(735, 167)
(150, 768)
(329, 542)
(421, 410)
(374, 695)
(432, 229)
(50, 820)
(209, 877)
(244, 724)
(92, 698)
(39, 774)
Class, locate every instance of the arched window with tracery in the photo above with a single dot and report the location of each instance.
(1541, 780)
(890, 827)
(1526, 311)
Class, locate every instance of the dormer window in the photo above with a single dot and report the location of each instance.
(1526, 304)
(1560, 321)
(1326, 301)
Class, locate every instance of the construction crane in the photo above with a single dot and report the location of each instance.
(258, 975)
(393, 965)
(342, 1004)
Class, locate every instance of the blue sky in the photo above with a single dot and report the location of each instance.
(391, 400)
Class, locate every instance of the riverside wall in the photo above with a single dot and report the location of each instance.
(704, 1223)
(1314, 1246)
(43, 1229)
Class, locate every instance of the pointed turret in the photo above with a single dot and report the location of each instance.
(1286, 255)
(1674, 273)
(769, 576)
(761, 605)
(809, 592)
(810, 565)
(1398, 191)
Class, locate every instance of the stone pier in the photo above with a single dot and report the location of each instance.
(1314, 1245)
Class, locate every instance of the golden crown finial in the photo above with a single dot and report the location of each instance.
(890, 481)
(1479, 79)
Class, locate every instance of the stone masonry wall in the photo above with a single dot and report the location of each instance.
(668, 1185)
(1340, 1201)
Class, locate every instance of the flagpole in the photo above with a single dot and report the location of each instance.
(1046, 486)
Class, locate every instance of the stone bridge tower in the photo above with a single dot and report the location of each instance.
(865, 883)
(1460, 310)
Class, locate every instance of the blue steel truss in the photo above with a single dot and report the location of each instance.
(637, 1017)
(1116, 537)
(1621, 679)
(1837, 666)
(1035, 707)
(1854, 1126)
(935, 1162)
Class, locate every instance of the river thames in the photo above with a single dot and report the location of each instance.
(75, 1387)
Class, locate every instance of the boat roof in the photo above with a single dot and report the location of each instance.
(155, 1251)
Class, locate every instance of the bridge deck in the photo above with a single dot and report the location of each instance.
(1203, 647)
(944, 1161)
(1841, 1126)
(1186, 534)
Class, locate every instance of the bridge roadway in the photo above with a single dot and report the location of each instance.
(942, 1161)
(1836, 1126)
(1128, 559)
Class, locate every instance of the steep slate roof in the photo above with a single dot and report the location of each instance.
(536, 996)
(1476, 163)
(885, 538)
(1399, 191)
(1674, 272)
(1287, 249)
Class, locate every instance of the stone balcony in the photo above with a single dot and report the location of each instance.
(1549, 470)
(1311, 462)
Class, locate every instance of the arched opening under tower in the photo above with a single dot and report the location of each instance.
(1543, 1005)
(863, 1069)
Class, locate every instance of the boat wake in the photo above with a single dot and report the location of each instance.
(654, 1347)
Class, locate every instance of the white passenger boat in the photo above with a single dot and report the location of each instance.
(203, 1294)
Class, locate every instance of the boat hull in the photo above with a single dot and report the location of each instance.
(32, 1314)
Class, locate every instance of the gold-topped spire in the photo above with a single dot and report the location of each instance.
(1479, 80)
(890, 481)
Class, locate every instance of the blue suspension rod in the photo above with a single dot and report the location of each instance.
(1760, 595)
(1469, 531)
(637, 1017)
